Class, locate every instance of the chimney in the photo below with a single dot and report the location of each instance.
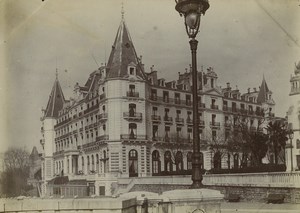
(254, 89)
(228, 85)
(248, 90)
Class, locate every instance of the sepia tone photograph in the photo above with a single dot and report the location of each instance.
(162, 106)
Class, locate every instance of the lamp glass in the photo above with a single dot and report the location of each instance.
(192, 20)
(291, 134)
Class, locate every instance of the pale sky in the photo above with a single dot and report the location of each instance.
(242, 40)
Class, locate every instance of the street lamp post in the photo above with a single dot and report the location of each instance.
(192, 11)
(291, 136)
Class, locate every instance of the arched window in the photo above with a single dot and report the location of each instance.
(133, 163)
(228, 160)
(132, 110)
(189, 160)
(179, 161)
(272, 159)
(97, 163)
(217, 160)
(201, 160)
(236, 161)
(82, 164)
(93, 163)
(132, 131)
(88, 163)
(155, 162)
(104, 161)
(168, 161)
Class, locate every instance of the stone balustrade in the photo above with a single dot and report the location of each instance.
(271, 179)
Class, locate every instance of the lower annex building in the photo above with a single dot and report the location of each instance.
(126, 122)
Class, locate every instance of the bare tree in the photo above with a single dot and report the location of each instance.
(14, 178)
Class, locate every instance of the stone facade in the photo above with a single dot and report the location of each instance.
(293, 117)
(126, 122)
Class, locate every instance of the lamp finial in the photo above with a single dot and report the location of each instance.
(122, 10)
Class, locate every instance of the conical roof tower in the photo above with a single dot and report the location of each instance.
(56, 100)
(122, 55)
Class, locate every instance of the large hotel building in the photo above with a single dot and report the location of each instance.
(126, 122)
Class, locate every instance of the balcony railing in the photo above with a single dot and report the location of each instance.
(168, 119)
(188, 102)
(95, 107)
(177, 101)
(133, 137)
(62, 123)
(227, 124)
(215, 124)
(201, 123)
(201, 105)
(133, 94)
(156, 118)
(102, 96)
(271, 114)
(179, 120)
(235, 109)
(153, 97)
(102, 116)
(102, 137)
(216, 107)
(250, 112)
(189, 121)
(132, 116)
(243, 111)
(225, 108)
(253, 128)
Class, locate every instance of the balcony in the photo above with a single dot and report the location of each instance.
(102, 116)
(179, 121)
(259, 113)
(234, 110)
(133, 137)
(80, 129)
(62, 123)
(102, 137)
(92, 108)
(132, 94)
(188, 102)
(189, 121)
(168, 119)
(155, 118)
(250, 112)
(253, 128)
(201, 105)
(136, 116)
(153, 97)
(201, 123)
(215, 124)
(225, 108)
(166, 99)
(102, 96)
(244, 112)
(177, 101)
(227, 125)
(216, 107)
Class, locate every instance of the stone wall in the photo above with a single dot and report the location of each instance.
(292, 195)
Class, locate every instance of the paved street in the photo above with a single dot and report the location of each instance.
(259, 207)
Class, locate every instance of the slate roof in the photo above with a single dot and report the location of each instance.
(123, 54)
(56, 101)
(263, 92)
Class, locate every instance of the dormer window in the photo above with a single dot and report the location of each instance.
(131, 69)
